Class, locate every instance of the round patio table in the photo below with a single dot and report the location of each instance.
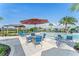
(59, 52)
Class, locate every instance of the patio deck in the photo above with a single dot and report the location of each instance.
(31, 50)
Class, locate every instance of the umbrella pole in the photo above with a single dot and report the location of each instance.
(35, 27)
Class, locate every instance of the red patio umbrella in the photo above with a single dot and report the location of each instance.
(34, 21)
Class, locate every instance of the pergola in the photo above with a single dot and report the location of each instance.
(16, 26)
(19, 27)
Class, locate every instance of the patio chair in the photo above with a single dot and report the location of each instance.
(29, 39)
(33, 34)
(21, 34)
(69, 41)
(59, 40)
(58, 37)
(44, 35)
(69, 38)
(38, 40)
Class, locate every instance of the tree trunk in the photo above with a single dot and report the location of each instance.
(65, 28)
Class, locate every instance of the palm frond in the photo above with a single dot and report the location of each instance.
(75, 7)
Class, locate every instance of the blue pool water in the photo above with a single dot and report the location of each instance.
(75, 36)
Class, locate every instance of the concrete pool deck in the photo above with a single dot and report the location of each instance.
(8, 37)
(31, 50)
(22, 48)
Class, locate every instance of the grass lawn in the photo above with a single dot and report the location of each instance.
(10, 33)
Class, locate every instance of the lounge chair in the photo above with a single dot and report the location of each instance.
(38, 40)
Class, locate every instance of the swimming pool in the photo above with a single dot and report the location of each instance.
(64, 35)
(74, 35)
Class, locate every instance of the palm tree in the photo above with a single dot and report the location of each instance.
(75, 7)
(67, 20)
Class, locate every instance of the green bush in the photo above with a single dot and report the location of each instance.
(34, 29)
(76, 45)
(4, 50)
(73, 30)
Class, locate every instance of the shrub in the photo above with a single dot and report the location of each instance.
(76, 46)
(4, 50)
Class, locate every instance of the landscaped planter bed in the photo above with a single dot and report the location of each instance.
(4, 50)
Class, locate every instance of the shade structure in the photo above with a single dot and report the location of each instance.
(34, 21)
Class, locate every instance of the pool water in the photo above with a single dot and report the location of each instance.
(64, 35)
(75, 36)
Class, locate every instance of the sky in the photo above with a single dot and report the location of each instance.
(53, 12)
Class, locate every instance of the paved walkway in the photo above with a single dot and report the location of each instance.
(8, 37)
(16, 48)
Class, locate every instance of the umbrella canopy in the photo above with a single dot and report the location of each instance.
(34, 21)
